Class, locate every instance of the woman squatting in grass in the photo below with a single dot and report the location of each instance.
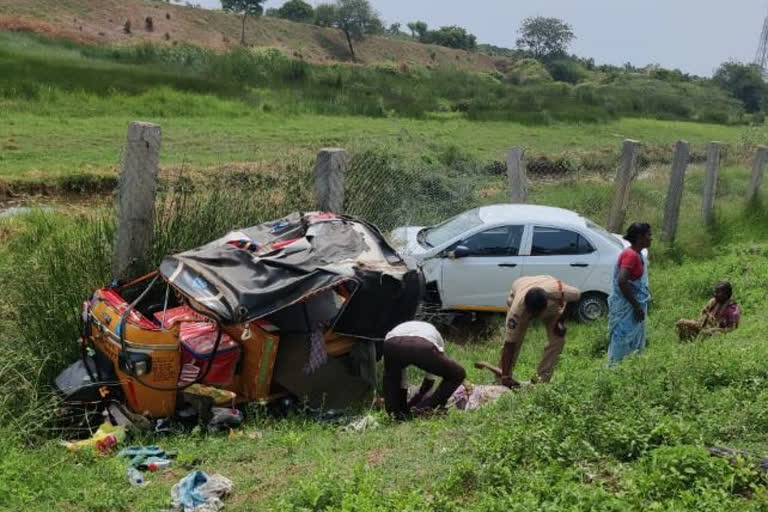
(719, 315)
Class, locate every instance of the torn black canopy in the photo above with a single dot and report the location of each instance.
(255, 272)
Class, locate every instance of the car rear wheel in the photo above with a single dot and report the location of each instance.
(592, 307)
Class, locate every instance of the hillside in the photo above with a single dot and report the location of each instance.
(102, 22)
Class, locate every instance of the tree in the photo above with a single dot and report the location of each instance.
(418, 29)
(243, 8)
(325, 15)
(394, 29)
(545, 38)
(356, 18)
(296, 10)
(743, 81)
(452, 37)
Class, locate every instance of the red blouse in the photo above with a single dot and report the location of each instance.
(633, 262)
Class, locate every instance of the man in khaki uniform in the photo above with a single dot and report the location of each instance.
(534, 297)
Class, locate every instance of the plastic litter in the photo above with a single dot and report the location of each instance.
(367, 422)
(103, 441)
(152, 458)
(135, 478)
(156, 464)
(198, 492)
(141, 451)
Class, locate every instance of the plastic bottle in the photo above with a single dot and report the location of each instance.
(157, 465)
(135, 477)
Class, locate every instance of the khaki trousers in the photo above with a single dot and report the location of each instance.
(552, 351)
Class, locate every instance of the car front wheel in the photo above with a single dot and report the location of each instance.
(592, 307)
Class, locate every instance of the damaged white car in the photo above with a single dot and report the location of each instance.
(471, 260)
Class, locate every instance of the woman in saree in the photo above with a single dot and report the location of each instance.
(719, 316)
(628, 303)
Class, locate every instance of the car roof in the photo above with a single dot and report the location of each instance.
(529, 214)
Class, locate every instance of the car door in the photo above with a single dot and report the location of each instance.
(562, 253)
(482, 280)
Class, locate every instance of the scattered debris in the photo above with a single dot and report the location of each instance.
(102, 441)
(148, 458)
(135, 478)
(367, 422)
(224, 419)
(198, 492)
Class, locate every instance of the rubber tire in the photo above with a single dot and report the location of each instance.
(591, 307)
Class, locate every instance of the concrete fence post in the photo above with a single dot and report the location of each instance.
(710, 182)
(517, 180)
(675, 192)
(136, 199)
(330, 168)
(622, 186)
(758, 166)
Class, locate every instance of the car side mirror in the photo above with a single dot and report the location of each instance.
(461, 251)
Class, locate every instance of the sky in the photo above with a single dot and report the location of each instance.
(692, 35)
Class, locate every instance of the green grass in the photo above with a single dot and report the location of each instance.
(595, 439)
(66, 107)
(40, 147)
(32, 64)
(633, 438)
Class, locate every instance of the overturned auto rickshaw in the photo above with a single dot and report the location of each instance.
(289, 307)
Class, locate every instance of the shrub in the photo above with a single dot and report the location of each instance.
(566, 70)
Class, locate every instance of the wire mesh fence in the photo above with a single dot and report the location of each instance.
(392, 192)
(391, 187)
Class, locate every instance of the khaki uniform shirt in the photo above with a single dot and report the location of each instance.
(558, 292)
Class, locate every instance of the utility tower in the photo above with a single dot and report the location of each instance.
(761, 58)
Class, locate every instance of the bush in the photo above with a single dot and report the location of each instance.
(528, 71)
(525, 94)
(566, 70)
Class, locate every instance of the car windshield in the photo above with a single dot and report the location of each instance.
(604, 233)
(452, 228)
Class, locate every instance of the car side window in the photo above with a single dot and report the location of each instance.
(499, 241)
(558, 242)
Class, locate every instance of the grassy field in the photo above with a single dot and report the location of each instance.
(633, 438)
(37, 147)
(66, 106)
(630, 438)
